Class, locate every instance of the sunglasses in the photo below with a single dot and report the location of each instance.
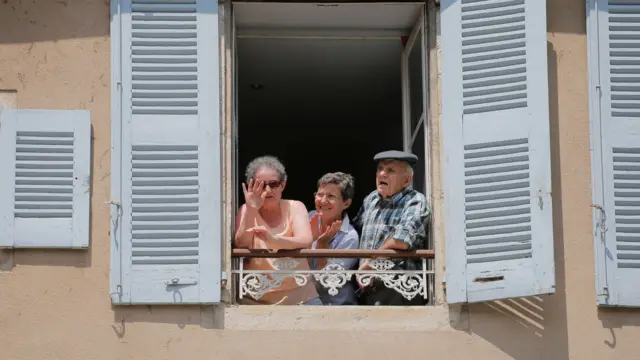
(272, 184)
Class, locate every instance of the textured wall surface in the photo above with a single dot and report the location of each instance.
(55, 304)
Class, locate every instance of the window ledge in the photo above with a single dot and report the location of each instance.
(347, 318)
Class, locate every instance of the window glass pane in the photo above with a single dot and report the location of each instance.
(415, 82)
(418, 149)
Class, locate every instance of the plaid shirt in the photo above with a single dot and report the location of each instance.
(403, 217)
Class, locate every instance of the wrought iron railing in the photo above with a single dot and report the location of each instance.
(409, 283)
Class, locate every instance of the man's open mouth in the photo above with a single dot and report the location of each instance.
(383, 183)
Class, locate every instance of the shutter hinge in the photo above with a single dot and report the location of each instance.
(223, 280)
(112, 202)
(605, 292)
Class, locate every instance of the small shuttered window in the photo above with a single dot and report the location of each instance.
(45, 186)
(166, 231)
(497, 173)
(614, 33)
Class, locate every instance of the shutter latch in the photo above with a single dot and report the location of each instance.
(603, 217)
(178, 281)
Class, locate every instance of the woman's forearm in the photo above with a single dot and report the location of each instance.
(243, 238)
(293, 242)
(322, 244)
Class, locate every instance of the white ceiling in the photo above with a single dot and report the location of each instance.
(345, 71)
(362, 16)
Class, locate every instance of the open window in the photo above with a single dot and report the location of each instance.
(344, 81)
(324, 87)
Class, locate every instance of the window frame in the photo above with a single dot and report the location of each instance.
(232, 196)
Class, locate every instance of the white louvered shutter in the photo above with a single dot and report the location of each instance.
(44, 189)
(617, 183)
(166, 242)
(497, 176)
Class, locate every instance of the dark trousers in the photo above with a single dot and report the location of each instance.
(378, 294)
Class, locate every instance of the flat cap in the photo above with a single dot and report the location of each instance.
(396, 155)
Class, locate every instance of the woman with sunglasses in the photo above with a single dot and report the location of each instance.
(266, 221)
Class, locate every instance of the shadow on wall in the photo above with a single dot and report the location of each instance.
(52, 20)
(536, 326)
(615, 319)
(206, 317)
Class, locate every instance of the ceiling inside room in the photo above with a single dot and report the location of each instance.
(362, 16)
(357, 72)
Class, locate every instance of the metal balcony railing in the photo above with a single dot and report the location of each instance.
(409, 283)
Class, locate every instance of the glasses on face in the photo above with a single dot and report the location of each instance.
(272, 184)
(329, 197)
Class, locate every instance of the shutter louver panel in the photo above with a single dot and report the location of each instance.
(168, 229)
(616, 159)
(497, 202)
(494, 55)
(165, 216)
(624, 61)
(626, 184)
(44, 174)
(164, 57)
(497, 172)
(45, 195)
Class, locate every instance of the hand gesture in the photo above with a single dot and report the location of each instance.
(330, 232)
(315, 226)
(262, 232)
(254, 194)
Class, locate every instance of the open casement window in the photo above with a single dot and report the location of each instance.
(414, 107)
(495, 128)
(166, 195)
(44, 190)
(614, 71)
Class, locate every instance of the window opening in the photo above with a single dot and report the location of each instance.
(327, 99)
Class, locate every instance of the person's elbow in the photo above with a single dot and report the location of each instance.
(396, 244)
(306, 241)
(240, 242)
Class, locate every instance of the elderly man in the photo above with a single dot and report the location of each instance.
(394, 216)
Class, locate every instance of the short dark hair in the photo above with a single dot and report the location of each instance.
(344, 181)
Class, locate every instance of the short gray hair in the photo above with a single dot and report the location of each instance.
(344, 181)
(409, 169)
(269, 162)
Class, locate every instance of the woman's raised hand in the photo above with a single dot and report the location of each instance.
(254, 194)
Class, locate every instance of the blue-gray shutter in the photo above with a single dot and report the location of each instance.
(166, 232)
(44, 189)
(614, 43)
(496, 146)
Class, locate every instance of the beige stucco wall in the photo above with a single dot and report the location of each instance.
(55, 304)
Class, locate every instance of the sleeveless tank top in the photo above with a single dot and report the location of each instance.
(289, 292)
